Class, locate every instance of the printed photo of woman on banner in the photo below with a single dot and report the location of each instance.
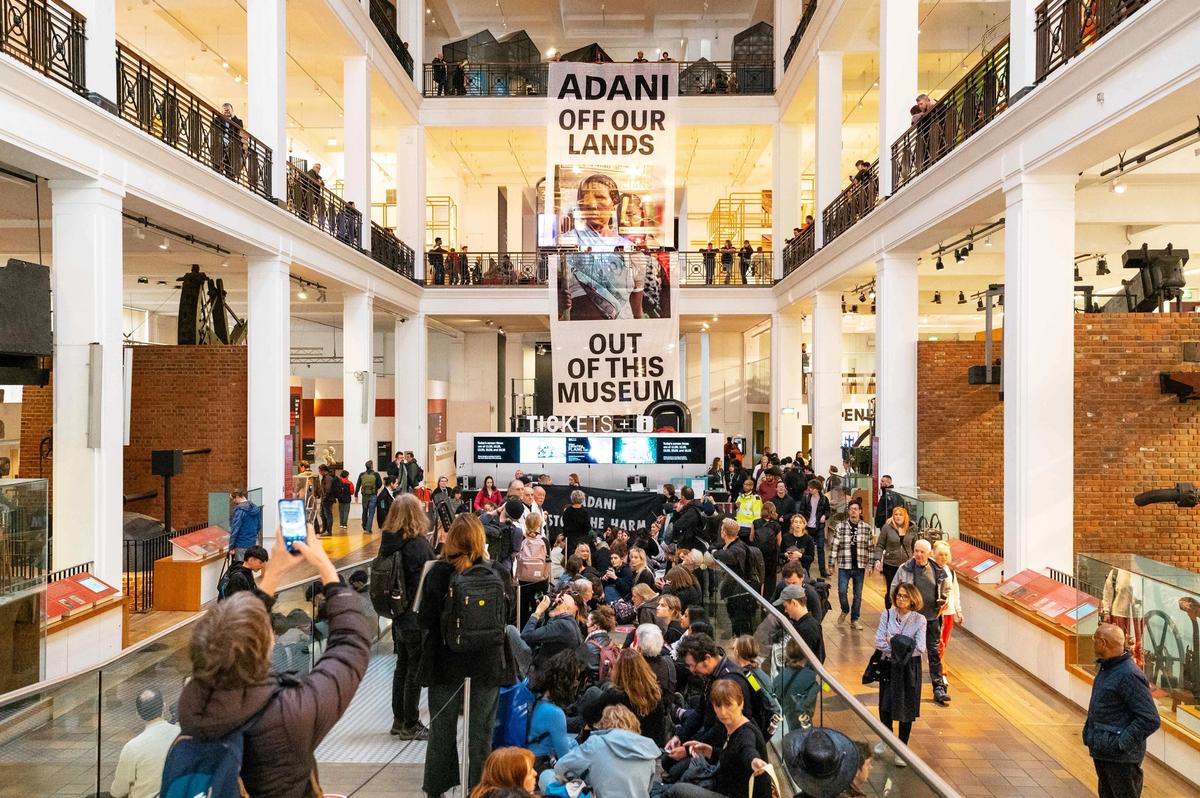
(594, 286)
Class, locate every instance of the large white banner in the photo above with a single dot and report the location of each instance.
(609, 205)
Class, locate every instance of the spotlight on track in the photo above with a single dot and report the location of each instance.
(1102, 268)
(937, 297)
(979, 305)
(962, 298)
(939, 265)
(1078, 276)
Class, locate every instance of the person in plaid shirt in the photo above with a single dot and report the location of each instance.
(851, 547)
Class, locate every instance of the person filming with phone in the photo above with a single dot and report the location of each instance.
(281, 719)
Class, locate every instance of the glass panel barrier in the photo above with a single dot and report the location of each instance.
(64, 737)
(834, 707)
(1158, 607)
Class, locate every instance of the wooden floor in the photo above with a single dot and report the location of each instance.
(343, 548)
(1004, 733)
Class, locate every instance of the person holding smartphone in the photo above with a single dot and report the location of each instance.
(231, 681)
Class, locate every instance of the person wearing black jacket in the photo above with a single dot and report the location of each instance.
(404, 531)
(889, 500)
(241, 574)
(795, 481)
(577, 522)
(702, 657)
(784, 504)
(328, 488)
(385, 499)
(688, 524)
(558, 633)
(735, 555)
(443, 670)
(813, 507)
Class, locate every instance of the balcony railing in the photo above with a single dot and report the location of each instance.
(308, 199)
(486, 269)
(391, 252)
(805, 18)
(1065, 28)
(154, 102)
(708, 268)
(471, 79)
(800, 249)
(47, 36)
(384, 17)
(856, 201)
(969, 105)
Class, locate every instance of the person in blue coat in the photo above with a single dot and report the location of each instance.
(555, 687)
(1121, 715)
(244, 524)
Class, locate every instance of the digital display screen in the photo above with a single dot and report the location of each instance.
(496, 450)
(590, 450)
(633, 451)
(681, 450)
(543, 450)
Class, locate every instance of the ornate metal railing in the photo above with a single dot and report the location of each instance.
(383, 15)
(1065, 28)
(390, 251)
(487, 269)
(308, 199)
(856, 201)
(469, 79)
(156, 103)
(969, 105)
(805, 18)
(708, 268)
(47, 36)
(800, 249)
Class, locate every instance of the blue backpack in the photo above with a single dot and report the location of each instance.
(208, 768)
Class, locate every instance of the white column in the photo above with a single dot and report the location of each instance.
(787, 17)
(100, 55)
(358, 380)
(410, 192)
(1039, 372)
(896, 366)
(412, 384)
(266, 67)
(89, 404)
(705, 420)
(268, 290)
(514, 369)
(829, 139)
(683, 370)
(1022, 45)
(410, 24)
(787, 383)
(356, 131)
(898, 42)
(785, 190)
(827, 381)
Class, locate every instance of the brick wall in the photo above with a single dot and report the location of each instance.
(187, 397)
(37, 420)
(960, 436)
(1129, 436)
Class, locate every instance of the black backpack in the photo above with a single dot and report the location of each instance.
(822, 588)
(388, 594)
(342, 491)
(756, 568)
(475, 611)
(499, 541)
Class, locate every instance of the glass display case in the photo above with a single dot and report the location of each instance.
(935, 516)
(24, 536)
(1158, 607)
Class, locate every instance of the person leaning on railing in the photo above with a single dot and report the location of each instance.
(230, 684)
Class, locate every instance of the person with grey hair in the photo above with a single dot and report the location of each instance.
(1121, 715)
(577, 523)
(648, 639)
(933, 583)
(140, 767)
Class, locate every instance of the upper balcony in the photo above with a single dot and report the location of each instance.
(47, 36)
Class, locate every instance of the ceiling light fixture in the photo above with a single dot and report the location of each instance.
(862, 296)
(962, 298)
(237, 78)
(987, 242)
(225, 263)
(1078, 276)
(139, 234)
(939, 265)
(979, 305)
(1102, 268)
(224, 65)
(937, 297)
(166, 244)
(302, 294)
(716, 318)
(331, 141)
(1117, 187)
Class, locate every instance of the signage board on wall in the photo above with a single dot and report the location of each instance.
(610, 168)
(591, 449)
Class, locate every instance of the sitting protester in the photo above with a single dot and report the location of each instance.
(669, 613)
(615, 759)
(680, 582)
(560, 632)
(645, 603)
(648, 639)
(555, 687)
(741, 752)
(240, 575)
(618, 579)
(507, 773)
(284, 718)
(600, 651)
(635, 686)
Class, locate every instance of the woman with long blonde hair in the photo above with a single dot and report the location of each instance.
(893, 548)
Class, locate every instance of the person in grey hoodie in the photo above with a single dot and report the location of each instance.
(616, 761)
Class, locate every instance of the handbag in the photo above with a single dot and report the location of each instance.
(768, 771)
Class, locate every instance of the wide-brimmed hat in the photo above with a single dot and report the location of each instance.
(821, 761)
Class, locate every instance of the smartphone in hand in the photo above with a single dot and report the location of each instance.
(291, 523)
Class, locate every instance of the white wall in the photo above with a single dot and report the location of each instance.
(728, 409)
